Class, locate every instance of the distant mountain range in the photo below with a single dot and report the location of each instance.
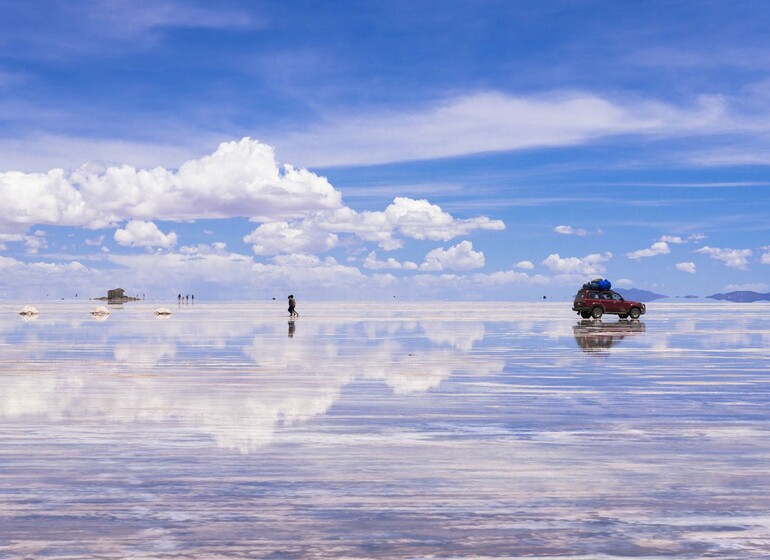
(742, 296)
(640, 295)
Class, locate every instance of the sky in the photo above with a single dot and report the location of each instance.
(420, 150)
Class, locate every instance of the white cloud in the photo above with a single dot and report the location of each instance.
(686, 267)
(505, 277)
(569, 230)
(238, 179)
(99, 241)
(273, 238)
(35, 279)
(301, 212)
(492, 121)
(673, 239)
(144, 234)
(372, 263)
(216, 248)
(697, 237)
(734, 258)
(525, 265)
(588, 265)
(415, 219)
(35, 242)
(9, 237)
(657, 248)
(623, 282)
(765, 258)
(419, 219)
(460, 257)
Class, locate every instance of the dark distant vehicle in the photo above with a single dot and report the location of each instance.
(591, 303)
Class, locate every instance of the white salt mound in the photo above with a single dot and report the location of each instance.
(101, 311)
(162, 311)
(28, 311)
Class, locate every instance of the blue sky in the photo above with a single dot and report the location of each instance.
(366, 150)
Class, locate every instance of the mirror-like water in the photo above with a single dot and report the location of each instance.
(388, 431)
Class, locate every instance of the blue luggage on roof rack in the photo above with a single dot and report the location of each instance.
(598, 284)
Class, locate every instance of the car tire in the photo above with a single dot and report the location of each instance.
(597, 313)
(585, 314)
(623, 316)
(635, 312)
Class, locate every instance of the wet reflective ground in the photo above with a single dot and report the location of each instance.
(384, 431)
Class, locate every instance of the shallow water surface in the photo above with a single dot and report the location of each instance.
(384, 431)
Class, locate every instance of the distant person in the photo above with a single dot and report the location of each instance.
(292, 306)
(192, 298)
(187, 298)
(179, 298)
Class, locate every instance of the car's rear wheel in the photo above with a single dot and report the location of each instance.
(635, 312)
(597, 313)
(585, 314)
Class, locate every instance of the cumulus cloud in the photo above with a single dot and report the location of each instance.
(419, 219)
(734, 258)
(372, 263)
(31, 279)
(216, 248)
(240, 179)
(404, 217)
(686, 267)
(569, 230)
(673, 239)
(9, 237)
(657, 248)
(273, 238)
(505, 277)
(95, 242)
(624, 282)
(525, 265)
(415, 219)
(588, 265)
(460, 257)
(144, 234)
(32, 243)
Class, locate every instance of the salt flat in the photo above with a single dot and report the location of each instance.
(441, 430)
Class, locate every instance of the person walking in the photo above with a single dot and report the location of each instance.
(292, 305)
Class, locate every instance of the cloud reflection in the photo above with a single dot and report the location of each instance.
(226, 375)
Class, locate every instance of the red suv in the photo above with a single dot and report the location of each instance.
(595, 303)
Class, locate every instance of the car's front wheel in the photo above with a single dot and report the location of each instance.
(635, 312)
(585, 314)
(597, 313)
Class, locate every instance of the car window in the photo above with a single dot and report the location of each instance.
(617, 297)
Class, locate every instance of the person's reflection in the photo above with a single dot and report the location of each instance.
(595, 335)
(291, 329)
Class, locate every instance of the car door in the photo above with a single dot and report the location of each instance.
(616, 303)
